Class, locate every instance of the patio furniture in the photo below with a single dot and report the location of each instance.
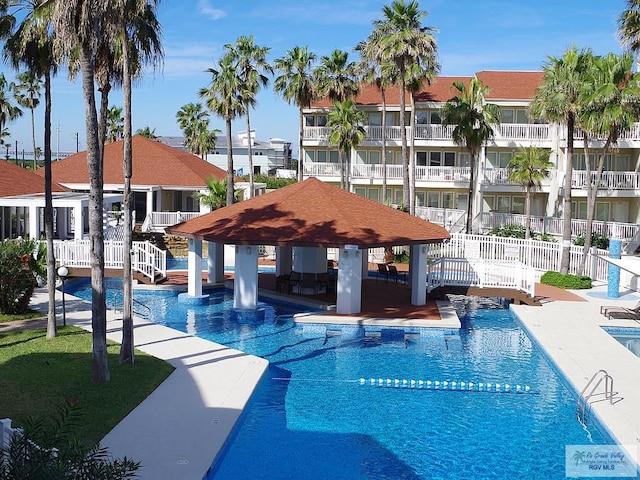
(322, 281)
(294, 281)
(383, 270)
(609, 310)
(629, 314)
(393, 273)
(282, 283)
(307, 281)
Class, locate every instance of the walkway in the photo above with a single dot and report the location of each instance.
(181, 427)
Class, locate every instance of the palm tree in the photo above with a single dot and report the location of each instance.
(473, 119)
(193, 120)
(529, 167)
(115, 124)
(251, 63)
(559, 100)
(28, 96)
(206, 141)
(216, 194)
(403, 40)
(629, 26)
(31, 44)
(612, 105)
(335, 77)
(8, 111)
(147, 132)
(79, 28)
(224, 98)
(347, 132)
(295, 84)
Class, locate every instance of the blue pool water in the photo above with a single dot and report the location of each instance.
(629, 337)
(312, 418)
(180, 263)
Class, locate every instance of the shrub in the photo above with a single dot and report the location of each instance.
(19, 269)
(402, 257)
(519, 231)
(597, 240)
(271, 181)
(572, 282)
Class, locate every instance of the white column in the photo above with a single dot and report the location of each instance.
(309, 259)
(245, 282)
(215, 262)
(77, 221)
(194, 265)
(33, 222)
(149, 203)
(349, 296)
(365, 263)
(418, 273)
(284, 260)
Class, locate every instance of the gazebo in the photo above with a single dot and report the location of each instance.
(302, 221)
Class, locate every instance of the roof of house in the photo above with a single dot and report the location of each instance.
(503, 85)
(154, 163)
(311, 214)
(16, 180)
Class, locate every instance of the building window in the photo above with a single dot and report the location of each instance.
(375, 119)
(489, 203)
(374, 194)
(422, 117)
(435, 159)
(360, 191)
(463, 160)
(521, 116)
(504, 158)
(433, 199)
(321, 120)
(420, 199)
(374, 157)
(517, 205)
(334, 156)
(449, 159)
(504, 204)
(434, 117)
(602, 211)
(421, 159)
(447, 200)
(321, 156)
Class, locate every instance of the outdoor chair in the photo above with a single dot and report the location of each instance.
(294, 281)
(282, 283)
(308, 281)
(383, 270)
(393, 273)
(322, 281)
(620, 312)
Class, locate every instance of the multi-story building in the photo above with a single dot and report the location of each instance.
(442, 167)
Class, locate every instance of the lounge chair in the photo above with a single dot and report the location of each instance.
(383, 270)
(609, 310)
(629, 314)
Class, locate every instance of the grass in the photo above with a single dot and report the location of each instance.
(37, 375)
(5, 317)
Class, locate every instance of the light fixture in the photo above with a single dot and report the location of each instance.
(63, 272)
(248, 250)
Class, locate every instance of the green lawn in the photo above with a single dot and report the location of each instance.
(4, 317)
(37, 375)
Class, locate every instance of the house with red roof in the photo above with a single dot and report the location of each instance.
(442, 168)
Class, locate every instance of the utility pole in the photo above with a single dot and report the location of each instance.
(77, 142)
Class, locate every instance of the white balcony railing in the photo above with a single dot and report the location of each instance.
(158, 221)
(394, 172)
(609, 180)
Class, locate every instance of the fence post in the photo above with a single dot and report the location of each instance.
(594, 264)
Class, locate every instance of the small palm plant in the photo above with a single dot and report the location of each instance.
(215, 195)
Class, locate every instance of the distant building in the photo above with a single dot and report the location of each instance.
(268, 156)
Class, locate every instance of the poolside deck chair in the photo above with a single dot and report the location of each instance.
(322, 281)
(393, 273)
(627, 313)
(384, 271)
(294, 281)
(608, 310)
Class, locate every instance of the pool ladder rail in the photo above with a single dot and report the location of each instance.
(590, 394)
(140, 309)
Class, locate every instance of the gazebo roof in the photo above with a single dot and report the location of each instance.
(310, 214)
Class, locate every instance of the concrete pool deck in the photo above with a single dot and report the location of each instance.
(182, 426)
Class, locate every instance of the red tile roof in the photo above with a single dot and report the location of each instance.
(311, 214)
(503, 85)
(16, 180)
(154, 163)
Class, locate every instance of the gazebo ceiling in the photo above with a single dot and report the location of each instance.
(310, 214)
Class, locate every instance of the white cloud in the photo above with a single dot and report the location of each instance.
(205, 7)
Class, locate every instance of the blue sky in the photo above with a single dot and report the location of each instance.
(473, 35)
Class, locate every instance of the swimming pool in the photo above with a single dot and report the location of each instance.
(312, 417)
(629, 337)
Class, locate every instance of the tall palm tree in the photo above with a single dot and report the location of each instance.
(529, 167)
(251, 63)
(629, 26)
(612, 105)
(147, 132)
(80, 27)
(206, 141)
(8, 111)
(559, 100)
(473, 118)
(403, 40)
(335, 77)
(28, 96)
(347, 132)
(224, 98)
(31, 45)
(115, 124)
(193, 120)
(295, 84)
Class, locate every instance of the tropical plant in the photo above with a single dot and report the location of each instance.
(115, 124)
(215, 195)
(629, 26)
(251, 65)
(334, 77)
(28, 96)
(529, 167)
(347, 132)
(295, 84)
(559, 100)
(30, 43)
(8, 111)
(21, 263)
(224, 98)
(147, 132)
(611, 106)
(47, 449)
(193, 120)
(473, 119)
(404, 41)
(597, 240)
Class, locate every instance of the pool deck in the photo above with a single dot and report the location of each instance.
(182, 426)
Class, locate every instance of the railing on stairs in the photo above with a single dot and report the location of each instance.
(140, 309)
(590, 391)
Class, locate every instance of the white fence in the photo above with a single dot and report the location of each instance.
(158, 221)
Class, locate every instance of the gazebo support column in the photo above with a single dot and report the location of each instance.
(349, 296)
(78, 224)
(245, 283)
(215, 262)
(418, 272)
(33, 223)
(194, 275)
(284, 260)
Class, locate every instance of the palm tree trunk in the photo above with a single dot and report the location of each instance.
(343, 183)
(472, 189)
(249, 151)
(384, 144)
(33, 137)
(300, 135)
(126, 347)
(102, 122)
(403, 137)
(527, 213)
(412, 161)
(48, 210)
(230, 173)
(566, 200)
(100, 365)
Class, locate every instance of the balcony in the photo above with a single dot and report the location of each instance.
(361, 171)
(608, 181)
